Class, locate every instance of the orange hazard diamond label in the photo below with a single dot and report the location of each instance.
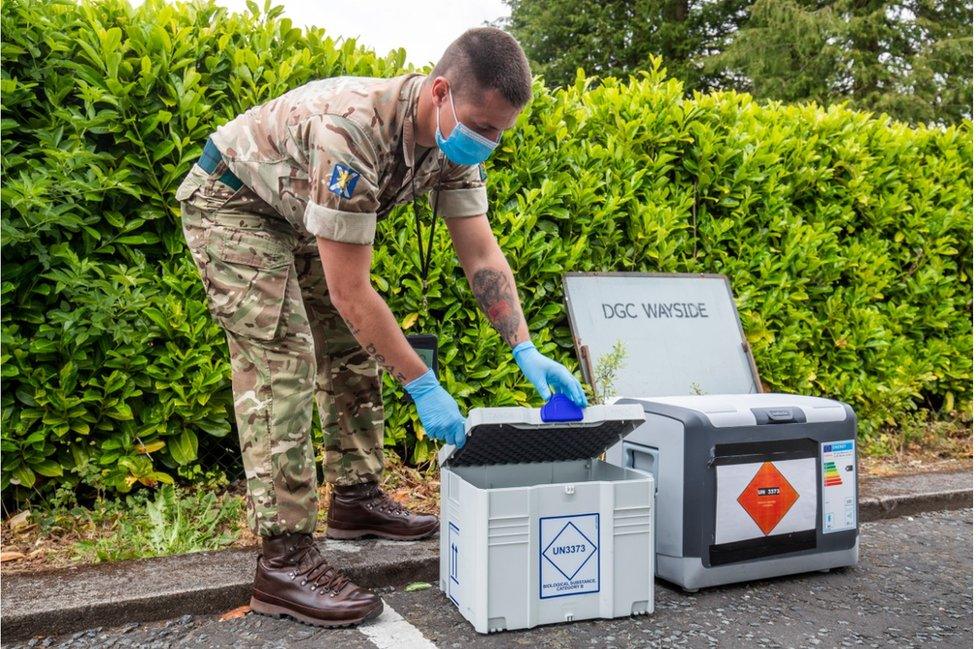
(768, 497)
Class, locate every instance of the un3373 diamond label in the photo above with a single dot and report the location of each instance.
(569, 555)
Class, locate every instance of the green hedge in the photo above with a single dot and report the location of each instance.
(847, 237)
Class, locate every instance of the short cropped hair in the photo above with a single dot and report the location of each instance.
(491, 58)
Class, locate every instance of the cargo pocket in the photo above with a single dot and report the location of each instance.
(246, 284)
(205, 191)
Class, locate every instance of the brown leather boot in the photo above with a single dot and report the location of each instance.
(361, 510)
(294, 579)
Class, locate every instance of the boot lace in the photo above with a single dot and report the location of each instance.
(380, 501)
(315, 569)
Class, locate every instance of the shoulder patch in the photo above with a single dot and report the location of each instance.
(343, 180)
(481, 171)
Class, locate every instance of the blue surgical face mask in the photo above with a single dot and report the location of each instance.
(463, 146)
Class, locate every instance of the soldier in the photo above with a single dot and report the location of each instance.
(279, 214)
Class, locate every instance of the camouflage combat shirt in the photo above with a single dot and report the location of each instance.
(335, 155)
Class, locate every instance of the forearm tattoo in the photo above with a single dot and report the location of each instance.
(353, 329)
(381, 360)
(498, 301)
(372, 351)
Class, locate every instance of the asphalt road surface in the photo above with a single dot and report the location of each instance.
(912, 588)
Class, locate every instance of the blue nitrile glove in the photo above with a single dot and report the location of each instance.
(438, 410)
(543, 372)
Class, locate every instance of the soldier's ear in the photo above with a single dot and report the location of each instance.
(439, 90)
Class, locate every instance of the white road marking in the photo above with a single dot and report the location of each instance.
(391, 631)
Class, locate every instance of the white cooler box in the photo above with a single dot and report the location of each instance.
(749, 486)
(535, 530)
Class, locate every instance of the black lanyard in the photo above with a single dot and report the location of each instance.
(425, 255)
(428, 254)
(425, 259)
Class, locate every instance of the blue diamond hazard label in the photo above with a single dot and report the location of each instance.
(569, 561)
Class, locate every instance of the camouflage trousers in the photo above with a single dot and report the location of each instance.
(265, 286)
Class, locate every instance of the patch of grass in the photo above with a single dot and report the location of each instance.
(146, 524)
(62, 531)
(172, 522)
(924, 434)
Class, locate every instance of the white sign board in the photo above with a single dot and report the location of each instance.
(681, 332)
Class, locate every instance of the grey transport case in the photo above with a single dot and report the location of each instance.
(750, 485)
(535, 529)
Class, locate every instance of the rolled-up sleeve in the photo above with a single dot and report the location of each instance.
(343, 195)
(348, 227)
(462, 192)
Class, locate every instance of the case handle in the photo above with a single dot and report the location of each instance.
(559, 407)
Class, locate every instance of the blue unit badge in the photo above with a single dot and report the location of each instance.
(343, 181)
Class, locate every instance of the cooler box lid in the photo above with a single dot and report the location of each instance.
(726, 410)
(681, 332)
(522, 435)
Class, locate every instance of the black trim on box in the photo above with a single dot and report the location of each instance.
(766, 546)
(766, 451)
